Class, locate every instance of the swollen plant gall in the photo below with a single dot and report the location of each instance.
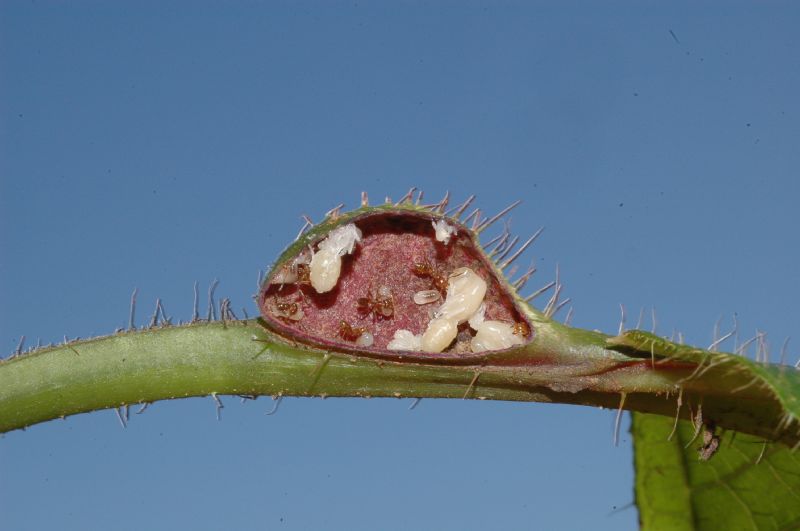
(429, 288)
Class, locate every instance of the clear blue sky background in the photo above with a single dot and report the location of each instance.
(154, 144)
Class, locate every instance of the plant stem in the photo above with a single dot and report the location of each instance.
(562, 364)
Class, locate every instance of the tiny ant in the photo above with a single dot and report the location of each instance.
(425, 269)
(287, 310)
(296, 273)
(303, 273)
(521, 329)
(349, 333)
(379, 304)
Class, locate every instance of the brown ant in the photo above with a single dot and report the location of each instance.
(521, 329)
(425, 269)
(303, 272)
(299, 273)
(350, 333)
(380, 304)
(287, 310)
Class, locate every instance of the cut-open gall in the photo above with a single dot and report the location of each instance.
(393, 281)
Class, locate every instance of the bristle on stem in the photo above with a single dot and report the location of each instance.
(519, 251)
(486, 224)
(307, 224)
(550, 308)
(561, 305)
(472, 216)
(523, 279)
(539, 291)
(408, 197)
(334, 212)
(501, 243)
(442, 205)
(461, 209)
(508, 249)
(570, 314)
(496, 238)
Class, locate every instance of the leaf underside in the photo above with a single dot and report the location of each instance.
(747, 485)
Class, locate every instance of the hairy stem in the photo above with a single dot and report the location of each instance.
(562, 364)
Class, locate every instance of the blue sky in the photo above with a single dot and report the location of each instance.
(150, 145)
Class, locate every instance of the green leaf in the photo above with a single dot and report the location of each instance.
(727, 382)
(748, 484)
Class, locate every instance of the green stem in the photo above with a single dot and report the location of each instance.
(562, 364)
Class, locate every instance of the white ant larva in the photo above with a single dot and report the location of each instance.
(478, 317)
(366, 339)
(443, 231)
(465, 293)
(495, 335)
(326, 264)
(439, 334)
(405, 340)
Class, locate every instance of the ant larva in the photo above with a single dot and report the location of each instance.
(326, 264)
(380, 304)
(425, 269)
